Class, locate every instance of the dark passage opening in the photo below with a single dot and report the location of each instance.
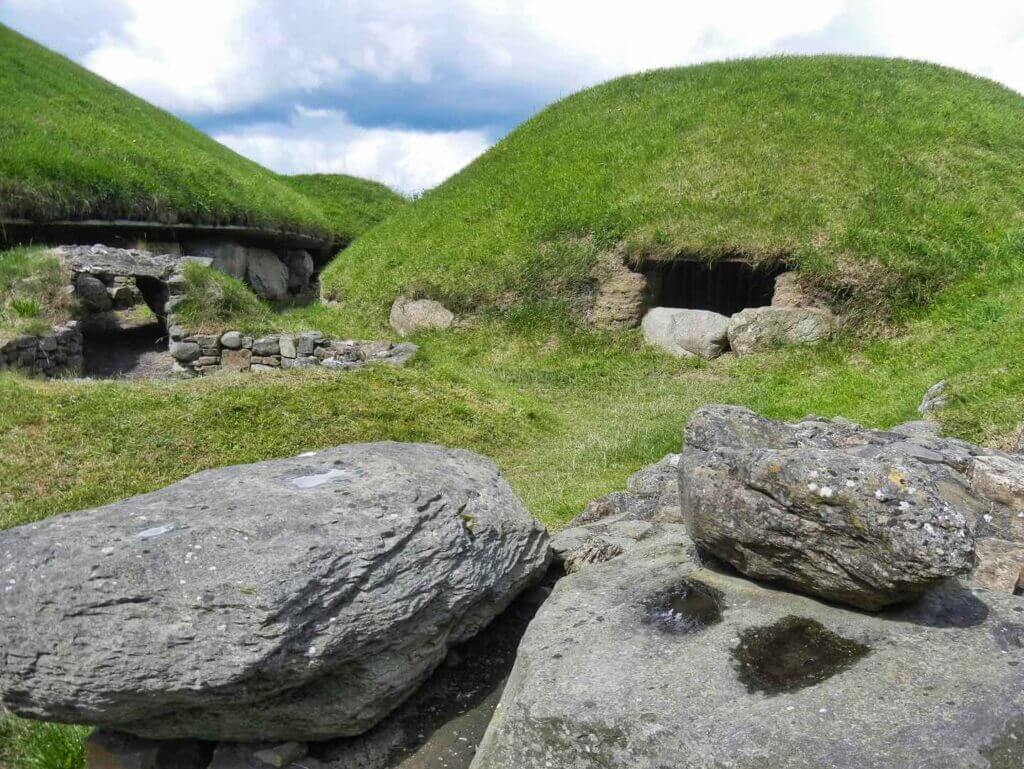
(725, 287)
(138, 352)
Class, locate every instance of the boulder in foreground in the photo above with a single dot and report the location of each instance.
(295, 599)
(655, 660)
(825, 508)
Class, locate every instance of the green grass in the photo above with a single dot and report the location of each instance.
(215, 301)
(32, 745)
(74, 146)
(32, 297)
(888, 179)
(567, 413)
(351, 205)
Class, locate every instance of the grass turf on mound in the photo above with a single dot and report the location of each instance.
(74, 146)
(351, 205)
(890, 178)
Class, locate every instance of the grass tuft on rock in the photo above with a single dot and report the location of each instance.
(884, 181)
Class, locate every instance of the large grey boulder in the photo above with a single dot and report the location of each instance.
(653, 660)
(759, 329)
(411, 315)
(266, 274)
(687, 333)
(818, 513)
(294, 599)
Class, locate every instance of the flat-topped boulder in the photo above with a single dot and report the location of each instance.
(656, 659)
(295, 599)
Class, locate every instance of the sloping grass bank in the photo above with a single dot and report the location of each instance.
(74, 146)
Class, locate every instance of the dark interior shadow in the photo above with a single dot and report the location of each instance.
(132, 353)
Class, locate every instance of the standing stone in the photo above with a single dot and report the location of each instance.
(759, 329)
(411, 315)
(300, 270)
(789, 293)
(295, 599)
(935, 399)
(266, 273)
(687, 333)
(286, 344)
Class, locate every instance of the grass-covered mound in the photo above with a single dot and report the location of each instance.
(74, 146)
(890, 178)
(351, 205)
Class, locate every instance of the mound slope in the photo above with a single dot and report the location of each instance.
(74, 146)
(880, 179)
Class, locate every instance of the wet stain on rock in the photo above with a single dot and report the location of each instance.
(687, 607)
(792, 654)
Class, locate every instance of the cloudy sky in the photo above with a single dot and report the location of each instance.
(409, 91)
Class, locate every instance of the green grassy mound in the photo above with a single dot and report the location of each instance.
(883, 180)
(74, 146)
(351, 205)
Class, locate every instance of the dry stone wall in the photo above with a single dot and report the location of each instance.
(49, 355)
(234, 351)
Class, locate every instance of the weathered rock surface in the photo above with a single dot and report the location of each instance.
(934, 400)
(758, 329)
(266, 273)
(810, 509)
(411, 315)
(687, 333)
(789, 293)
(653, 660)
(295, 599)
(621, 296)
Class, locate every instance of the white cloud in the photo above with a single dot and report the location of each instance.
(324, 141)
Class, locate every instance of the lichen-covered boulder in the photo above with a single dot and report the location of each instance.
(759, 329)
(687, 333)
(827, 515)
(654, 660)
(295, 599)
